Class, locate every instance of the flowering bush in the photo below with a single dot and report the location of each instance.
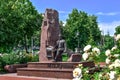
(113, 63)
(109, 72)
(90, 53)
(77, 73)
(81, 73)
(117, 38)
(112, 69)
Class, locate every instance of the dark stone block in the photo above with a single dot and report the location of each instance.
(75, 58)
(13, 68)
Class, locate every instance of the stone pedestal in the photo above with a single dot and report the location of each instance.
(52, 69)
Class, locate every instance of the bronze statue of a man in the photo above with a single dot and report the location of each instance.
(59, 49)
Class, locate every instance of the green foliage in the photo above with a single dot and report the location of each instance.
(2, 64)
(18, 21)
(95, 33)
(118, 44)
(117, 29)
(110, 70)
(81, 29)
(116, 51)
(101, 57)
(108, 42)
(17, 58)
(64, 57)
(84, 73)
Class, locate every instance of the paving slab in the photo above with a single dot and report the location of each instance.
(14, 76)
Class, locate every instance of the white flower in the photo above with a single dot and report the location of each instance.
(111, 66)
(1, 55)
(116, 55)
(112, 74)
(85, 56)
(117, 37)
(114, 48)
(107, 61)
(87, 71)
(96, 50)
(80, 65)
(100, 75)
(107, 53)
(117, 63)
(77, 73)
(87, 48)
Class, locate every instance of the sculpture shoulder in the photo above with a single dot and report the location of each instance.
(50, 47)
(62, 41)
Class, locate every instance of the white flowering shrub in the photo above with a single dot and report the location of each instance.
(90, 54)
(81, 73)
(112, 64)
(117, 38)
(77, 73)
(87, 48)
(111, 71)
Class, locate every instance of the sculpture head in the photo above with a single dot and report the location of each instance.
(60, 36)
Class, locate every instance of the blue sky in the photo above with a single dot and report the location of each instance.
(107, 11)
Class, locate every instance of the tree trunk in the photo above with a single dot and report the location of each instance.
(25, 43)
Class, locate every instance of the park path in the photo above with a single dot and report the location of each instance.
(13, 76)
(16, 78)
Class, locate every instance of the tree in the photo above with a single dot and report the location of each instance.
(95, 32)
(117, 29)
(19, 21)
(8, 26)
(61, 24)
(108, 42)
(81, 29)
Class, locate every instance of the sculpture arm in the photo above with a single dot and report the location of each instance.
(65, 50)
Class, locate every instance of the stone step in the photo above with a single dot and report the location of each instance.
(95, 69)
(63, 65)
(52, 69)
(51, 72)
(46, 72)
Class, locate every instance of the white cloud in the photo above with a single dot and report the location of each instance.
(109, 27)
(108, 14)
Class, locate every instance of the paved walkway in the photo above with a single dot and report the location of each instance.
(13, 76)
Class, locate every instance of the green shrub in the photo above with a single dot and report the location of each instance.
(64, 57)
(17, 58)
(101, 58)
(2, 64)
